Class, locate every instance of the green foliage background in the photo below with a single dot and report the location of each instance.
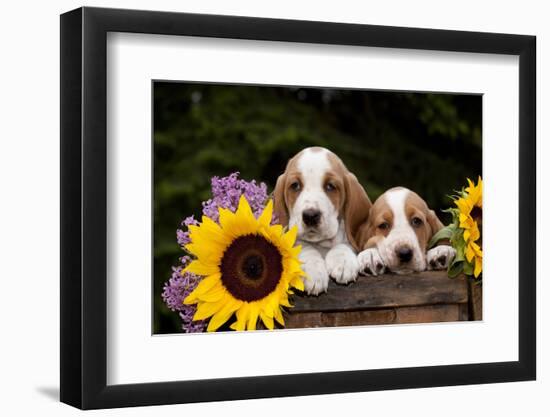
(427, 142)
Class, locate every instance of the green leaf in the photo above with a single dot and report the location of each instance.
(460, 247)
(457, 241)
(455, 268)
(468, 268)
(445, 233)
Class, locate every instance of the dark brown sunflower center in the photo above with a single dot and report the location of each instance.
(476, 213)
(251, 267)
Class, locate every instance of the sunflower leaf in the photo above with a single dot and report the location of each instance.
(457, 240)
(460, 253)
(468, 268)
(445, 233)
(449, 210)
(455, 268)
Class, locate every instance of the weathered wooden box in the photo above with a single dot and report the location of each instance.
(424, 297)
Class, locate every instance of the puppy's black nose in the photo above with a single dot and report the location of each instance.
(404, 253)
(311, 217)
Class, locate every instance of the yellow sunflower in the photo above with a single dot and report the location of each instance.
(474, 255)
(248, 266)
(470, 207)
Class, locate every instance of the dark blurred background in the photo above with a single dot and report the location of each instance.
(427, 142)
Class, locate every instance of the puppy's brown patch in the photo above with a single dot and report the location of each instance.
(378, 225)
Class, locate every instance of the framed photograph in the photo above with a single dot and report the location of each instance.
(258, 208)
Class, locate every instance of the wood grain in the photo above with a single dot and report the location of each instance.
(428, 314)
(476, 300)
(345, 318)
(387, 291)
(402, 315)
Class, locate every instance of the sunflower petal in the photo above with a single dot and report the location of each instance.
(276, 231)
(474, 232)
(223, 315)
(274, 300)
(268, 321)
(209, 254)
(464, 205)
(289, 238)
(204, 286)
(279, 317)
(238, 326)
(205, 310)
(244, 212)
(465, 219)
(284, 302)
(216, 293)
(267, 214)
(252, 316)
(270, 303)
(295, 251)
(242, 316)
(477, 268)
(297, 283)
(476, 249)
(292, 266)
(229, 222)
(469, 253)
(208, 233)
(197, 267)
(211, 226)
(480, 186)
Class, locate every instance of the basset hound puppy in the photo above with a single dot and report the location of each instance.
(396, 235)
(325, 201)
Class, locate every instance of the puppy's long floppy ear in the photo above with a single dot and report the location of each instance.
(363, 237)
(279, 203)
(435, 226)
(356, 209)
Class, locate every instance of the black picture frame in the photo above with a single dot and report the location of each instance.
(84, 207)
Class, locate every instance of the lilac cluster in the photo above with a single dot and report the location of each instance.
(227, 191)
(176, 289)
(183, 235)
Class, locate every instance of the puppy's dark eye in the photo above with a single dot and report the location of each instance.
(384, 226)
(329, 187)
(295, 186)
(417, 222)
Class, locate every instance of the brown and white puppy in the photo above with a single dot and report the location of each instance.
(325, 201)
(397, 233)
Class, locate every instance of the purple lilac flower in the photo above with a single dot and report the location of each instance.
(227, 191)
(176, 289)
(183, 236)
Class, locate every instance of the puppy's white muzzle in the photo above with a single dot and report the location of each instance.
(401, 254)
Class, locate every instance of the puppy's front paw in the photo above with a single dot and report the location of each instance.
(342, 265)
(440, 257)
(370, 262)
(316, 281)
